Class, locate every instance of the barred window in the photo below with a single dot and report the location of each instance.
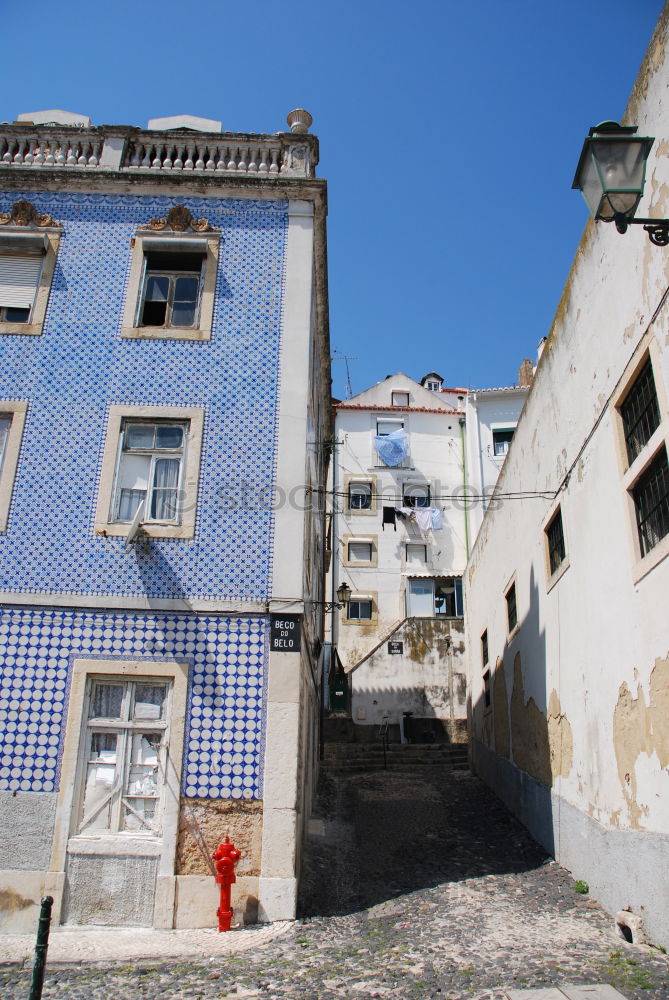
(651, 501)
(640, 412)
(511, 609)
(556, 546)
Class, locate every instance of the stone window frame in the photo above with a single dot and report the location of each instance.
(551, 577)
(372, 540)
(511, 632)
(352, 480)
(66, 841)
(631, 472)
(194, 417)
(142, 243)
(18, 410)
(38, 313)
(362, 595)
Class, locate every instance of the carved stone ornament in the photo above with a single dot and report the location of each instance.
(180, 220)
(23, 213)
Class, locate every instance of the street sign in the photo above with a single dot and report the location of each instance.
(395, 646)
(285, 633)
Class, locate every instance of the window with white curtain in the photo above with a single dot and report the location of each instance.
(124, 762)
(150, 470)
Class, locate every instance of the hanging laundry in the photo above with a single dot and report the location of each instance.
(406, 512)
(389, 518)
(437, 523)
(392, 448)
(423, 517)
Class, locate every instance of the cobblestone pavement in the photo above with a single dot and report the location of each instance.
(456, 902)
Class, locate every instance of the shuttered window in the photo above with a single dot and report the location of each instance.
(19, 278)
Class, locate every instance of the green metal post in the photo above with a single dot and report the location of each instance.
(39, 962)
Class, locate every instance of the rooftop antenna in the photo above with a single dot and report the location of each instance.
(346, 358)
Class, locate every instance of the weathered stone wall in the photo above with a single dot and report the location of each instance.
(204, 823)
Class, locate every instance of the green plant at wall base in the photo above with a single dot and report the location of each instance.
(582, 887)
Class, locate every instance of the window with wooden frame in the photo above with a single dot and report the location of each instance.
(151, 460)
(125, 753)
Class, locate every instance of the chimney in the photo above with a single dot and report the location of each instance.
(526, 373)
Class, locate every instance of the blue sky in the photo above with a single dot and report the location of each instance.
(449, 135)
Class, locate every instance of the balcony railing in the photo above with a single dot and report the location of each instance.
(128, 149)
(59, 149)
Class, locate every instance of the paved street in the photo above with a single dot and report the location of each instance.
(419, 886)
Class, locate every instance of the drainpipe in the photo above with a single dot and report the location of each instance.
(464, 483)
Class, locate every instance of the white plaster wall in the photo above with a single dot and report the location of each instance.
(487, 410)
(602, 624)
(435, 457)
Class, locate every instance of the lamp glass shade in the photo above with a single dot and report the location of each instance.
(343, 593)
(612, 173)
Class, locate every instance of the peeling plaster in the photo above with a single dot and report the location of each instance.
(638, 729)
(542, 746)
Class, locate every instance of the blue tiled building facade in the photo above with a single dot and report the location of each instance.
(76, 598)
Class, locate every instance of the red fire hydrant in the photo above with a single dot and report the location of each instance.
(226, 856)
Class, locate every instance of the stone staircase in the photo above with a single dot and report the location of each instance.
(359, 757)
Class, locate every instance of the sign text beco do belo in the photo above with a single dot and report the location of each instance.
(285, 633)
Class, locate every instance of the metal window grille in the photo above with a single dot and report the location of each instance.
(640, 412)
(511, 609)
(556, 547)
(651, 500)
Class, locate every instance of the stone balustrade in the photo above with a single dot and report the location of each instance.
(59, 149)
(128, 149)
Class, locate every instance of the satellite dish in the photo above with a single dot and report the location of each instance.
(135, 525)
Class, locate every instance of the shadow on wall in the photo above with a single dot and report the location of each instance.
(520, 722)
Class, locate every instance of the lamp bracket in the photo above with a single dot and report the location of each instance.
(327, 605)
(657, 229)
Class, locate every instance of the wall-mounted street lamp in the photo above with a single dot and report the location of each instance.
(611, 174)
(343, 597)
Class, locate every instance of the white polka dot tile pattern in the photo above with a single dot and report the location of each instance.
(224, 730)
(80, 366)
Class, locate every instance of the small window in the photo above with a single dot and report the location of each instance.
(151, 458)
(150, 471)
(555, 542)
(360, 552)
(511, 610)
(400, 398)
(651, 501)
(484, 648)
(171, 290)
(500, 442)
(416, 495)
(19, 281)
(416, 554)
(640, 412)
(125, 756)
(360, 496)
(433, 386)
(448, 597)
(384, 426)
(359, 609)
(486, 689)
